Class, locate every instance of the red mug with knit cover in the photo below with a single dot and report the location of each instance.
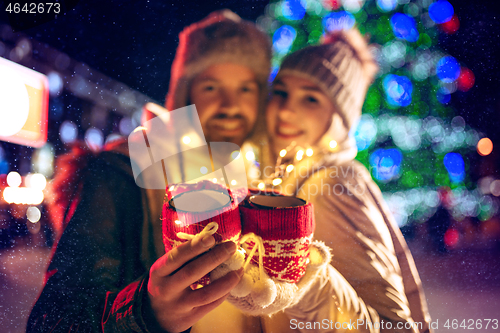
(182, 219)
(286, 226)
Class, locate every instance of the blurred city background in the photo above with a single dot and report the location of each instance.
(429, 131)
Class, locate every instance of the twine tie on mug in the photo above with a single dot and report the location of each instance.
(259, 245)
(209, 229)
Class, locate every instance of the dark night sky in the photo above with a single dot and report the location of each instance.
(134, 42)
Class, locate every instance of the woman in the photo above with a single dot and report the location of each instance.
(316, 101)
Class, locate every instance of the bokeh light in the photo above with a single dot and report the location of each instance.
(387, 5)
(294, 9)
(14, 179)
(443, 96)
(404, 27)
(332, 4)
(495, 187)
(394, 53)
(55, 83)
(338, 21)
(33, 214)
(365, 132)
(441, 11)
(466, 79)
(398, 90)
(94, 139)
(68, 132)
(353, 6)
(36, 181)
(126, 127)
(454, 164)
(451, 237)
(386, 163)
(484, 147)
(451, 26)
(283, 39)
(448, 69)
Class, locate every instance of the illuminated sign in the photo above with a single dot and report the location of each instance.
(24, 102)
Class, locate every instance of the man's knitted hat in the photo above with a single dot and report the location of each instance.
(221, 37)
(342, 67)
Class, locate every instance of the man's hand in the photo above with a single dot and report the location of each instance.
(175, 306)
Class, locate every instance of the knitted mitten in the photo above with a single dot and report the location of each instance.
(204, 207)
(285, 294)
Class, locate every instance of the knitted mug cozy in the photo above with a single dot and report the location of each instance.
(190, 209)
(285, 226)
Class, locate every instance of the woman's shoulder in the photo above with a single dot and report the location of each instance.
(351, 171)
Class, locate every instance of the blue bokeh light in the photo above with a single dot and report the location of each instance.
(443, 96)
(386, 163)
(283, 39)
(404, 27)
(398, 90)
(448, 69)
(338, 21)
(454, 164)
(441, 11)
(294, 9)
(366, 132)
(4, 165)
(387, 5)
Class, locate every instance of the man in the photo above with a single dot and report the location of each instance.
(109, 272)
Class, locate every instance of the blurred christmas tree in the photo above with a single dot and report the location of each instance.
(409, 137)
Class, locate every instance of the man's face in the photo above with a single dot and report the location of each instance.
(227, 99)
(298, 111)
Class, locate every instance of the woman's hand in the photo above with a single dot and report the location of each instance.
(175, 306)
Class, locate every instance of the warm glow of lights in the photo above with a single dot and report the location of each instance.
(171, 188)
(250, 156)
(203, 170)
(14, 179)
(22, 195)
(214, 180)
(234, 182)
(36, 181)
(261, 186)
(178, 222)
(289, 168)
(333, 144)
(484, 146)
(277, 181)
(186, 139)
(33, 214)
(309, 152)
(300, 155)
(282, 152)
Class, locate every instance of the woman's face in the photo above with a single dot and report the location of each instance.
(298, 111)
(227, 100)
